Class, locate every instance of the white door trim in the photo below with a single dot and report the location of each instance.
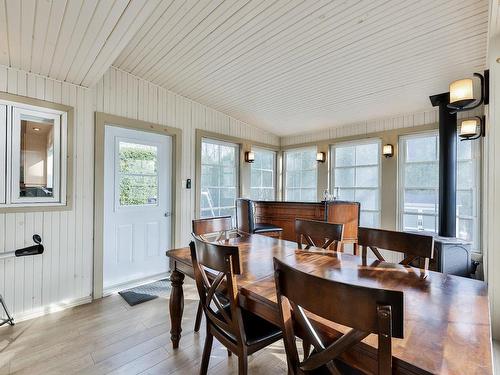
(101, 119)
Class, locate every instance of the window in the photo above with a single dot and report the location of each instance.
(468, 190)
(356, 177)
(137, 174)
(3, 155)
(219, 178)
(419, 184)
(301, 175)
(33, 157)
(263, 175)
(419, 168)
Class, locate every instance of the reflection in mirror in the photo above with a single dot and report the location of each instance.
(36, 177)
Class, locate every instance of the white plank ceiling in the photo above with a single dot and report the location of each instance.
(69, 40)
(296, 66)
(288, 66)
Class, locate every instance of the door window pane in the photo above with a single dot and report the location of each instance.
(355, 175)
(263, 175)
(301, 175)
(219, 178)
(138, 174)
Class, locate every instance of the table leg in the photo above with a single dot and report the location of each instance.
(176, 307)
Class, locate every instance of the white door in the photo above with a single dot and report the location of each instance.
(137, 200)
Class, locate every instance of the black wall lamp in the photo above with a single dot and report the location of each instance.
(462, 96)
(472, 128)
(320, 157)
(249, 156)
(388, 151)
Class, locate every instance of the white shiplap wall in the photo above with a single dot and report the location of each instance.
(62, 275)
(364, 128)
(361, 129)
(120, 93)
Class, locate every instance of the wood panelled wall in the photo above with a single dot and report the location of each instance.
(63, 274)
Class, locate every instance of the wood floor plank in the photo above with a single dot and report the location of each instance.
(108, 336)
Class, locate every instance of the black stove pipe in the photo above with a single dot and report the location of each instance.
(447, 166)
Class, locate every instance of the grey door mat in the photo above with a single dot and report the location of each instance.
(146, 292)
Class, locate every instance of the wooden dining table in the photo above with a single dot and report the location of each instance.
(446, 318)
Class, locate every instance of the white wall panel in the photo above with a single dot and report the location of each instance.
(62, 275)
(366, 127)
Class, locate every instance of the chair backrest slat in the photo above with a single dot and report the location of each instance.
(318, 233)
(364, 310)
(413, 245)
(212, 225)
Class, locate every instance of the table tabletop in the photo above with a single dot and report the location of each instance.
(446, 318)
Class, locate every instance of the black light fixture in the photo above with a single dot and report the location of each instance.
(472, 128)
(462, 96)
(320, 157)
(388, 151)
(249, 156)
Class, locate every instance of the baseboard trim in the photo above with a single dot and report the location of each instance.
(52, 308)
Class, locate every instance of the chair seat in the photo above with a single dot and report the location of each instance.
(266, 228)
(257, 329)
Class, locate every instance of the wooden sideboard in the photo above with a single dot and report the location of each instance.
(283, 214)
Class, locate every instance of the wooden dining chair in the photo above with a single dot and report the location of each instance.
(413, 245)
(240, 331)
(364, 310)
(312, 231)
(202, 227)
(212, 225)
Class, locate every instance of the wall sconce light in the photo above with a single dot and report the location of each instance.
(320, 157)
(249, 156)
(388, 151)
(472, 128)
(462, 93)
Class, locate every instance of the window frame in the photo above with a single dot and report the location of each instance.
(401, 177)
(237, 164)
(476, 152)
(15, 162)
(3, 155)
(332, 168)
(275, 172)
(285, 171)
(64, 178)
(476, 210)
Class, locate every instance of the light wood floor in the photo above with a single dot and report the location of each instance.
(110, 337)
